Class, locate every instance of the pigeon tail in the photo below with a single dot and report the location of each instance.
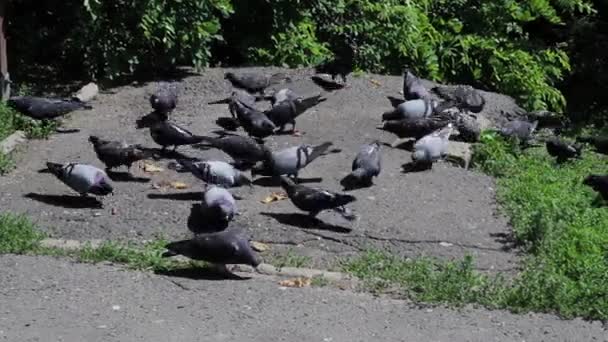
(277, 78)
(343, 199)
(391, 115)
(176, 248)
(319, 150)
(55, 168)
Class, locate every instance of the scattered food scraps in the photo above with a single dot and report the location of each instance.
(179, 185)
(275, 196)
(296, 282)
(259, 246)
(151, 168)
(375, 82)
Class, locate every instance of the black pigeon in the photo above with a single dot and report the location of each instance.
(562, 150)
(243, 96)
(367, 164)
(114, 153)
(164, 100)
(599, 184)
(254, 82)
(40, 108)
(462, 97)
(286, 111)
(416, 128)
(254, 122)
(166, 134)
(314, 200)
(244, 150)
(221, 248)
(343, 62)
(599, 143)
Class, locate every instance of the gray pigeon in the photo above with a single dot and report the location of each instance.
(218, 205)
(254, 82)
(254, 122)
(432, 147)
(367, 164)
(114, 153)
(412, 109)
(215, 172)
(166, 133)
(415, 128)
(313, 200)
(464, 97)
(82, 178)
(413, 87)
(283, 95)
(40, 108)
(244, 150)
(164, 100)
(522, 130)
(289, 161)
(288, 109)
(221, 248)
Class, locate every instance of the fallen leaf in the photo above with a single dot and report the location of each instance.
(296, 282)
(151, 168)
(179, 185)
(259, 246)
(375, 82)
(275, 196)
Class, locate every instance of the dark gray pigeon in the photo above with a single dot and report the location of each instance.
(413, 87)
(222, 248)
(254, 122)
(219, 207)
(598, 183)
(599, 143)
(166, 133)
(412, 109)
(283, 95)
(164, 100)
(289, 161)
(522, 130)
(244, 150)
(215, 172)
(313, 200)
(463, 97)
(114, 153)
(367, 164)
(254, 82)
(288, 109)
(432, 147)
(82, 178)
(247, 99)
(416, 128)
(562, 150)
(40, 108)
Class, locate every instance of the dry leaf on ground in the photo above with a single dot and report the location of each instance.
(259, 246)
(151, 168)
(275, 196)
(179, 185)
(296, 282)
(375, 82)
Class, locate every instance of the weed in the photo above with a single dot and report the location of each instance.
(11, 121)
(290, 259)
(6, 163)
(18, 235)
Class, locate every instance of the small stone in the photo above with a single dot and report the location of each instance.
(102, 326)
(96, 214)
(12, 141)
(88, 92)
(116, 307)
(446, 244)
(459, 153)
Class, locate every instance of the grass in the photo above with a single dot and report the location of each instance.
(290, 259)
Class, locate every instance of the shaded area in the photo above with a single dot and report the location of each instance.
(120, 176)
(305, 221)
(199, 223)
(276, 181)
(178, 196)
(66, 201)
(200, 273)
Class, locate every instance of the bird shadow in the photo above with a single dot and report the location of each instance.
(416, 167)
(306, 222)
(60, 130)
(275, 181)
(66, 201)
(199, 223)
(178, 196)
(227, 123)
(395, 101)
(327, 85)
(168, 154)
(507, 240)
(119, 176)
(200, 273)
(349, 183)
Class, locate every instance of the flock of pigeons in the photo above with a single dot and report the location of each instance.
(430, 120)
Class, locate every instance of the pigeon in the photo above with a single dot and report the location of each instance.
(241, 95)
(40, 108)
(463, 97)
(254, 82)
(215, 172)
(254, 122)
(522, 130)
(82, 178)
(166, 133)
(218, 205)
(600, 143)
(413, 87)
(367, 164)
(416, 128)
(432, 147)
(468, 128)
(562, 150)
(412, 109)
(338, 66)
(164, 100)
(220, 248)
(244, 150)
(598, 183)
(289, 161)
(114, 154)
(283, 95)
(313, 200)
(286, 111)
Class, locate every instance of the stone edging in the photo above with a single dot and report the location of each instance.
(10, 143)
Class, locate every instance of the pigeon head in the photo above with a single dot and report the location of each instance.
(229, 76)
(102, 186)
(55, 168)
(591, 180)
(94, 140)
(376, 143)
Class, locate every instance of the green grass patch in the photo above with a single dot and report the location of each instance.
(18, 235)
(6, 163)
(11, 121)
(291, 259)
